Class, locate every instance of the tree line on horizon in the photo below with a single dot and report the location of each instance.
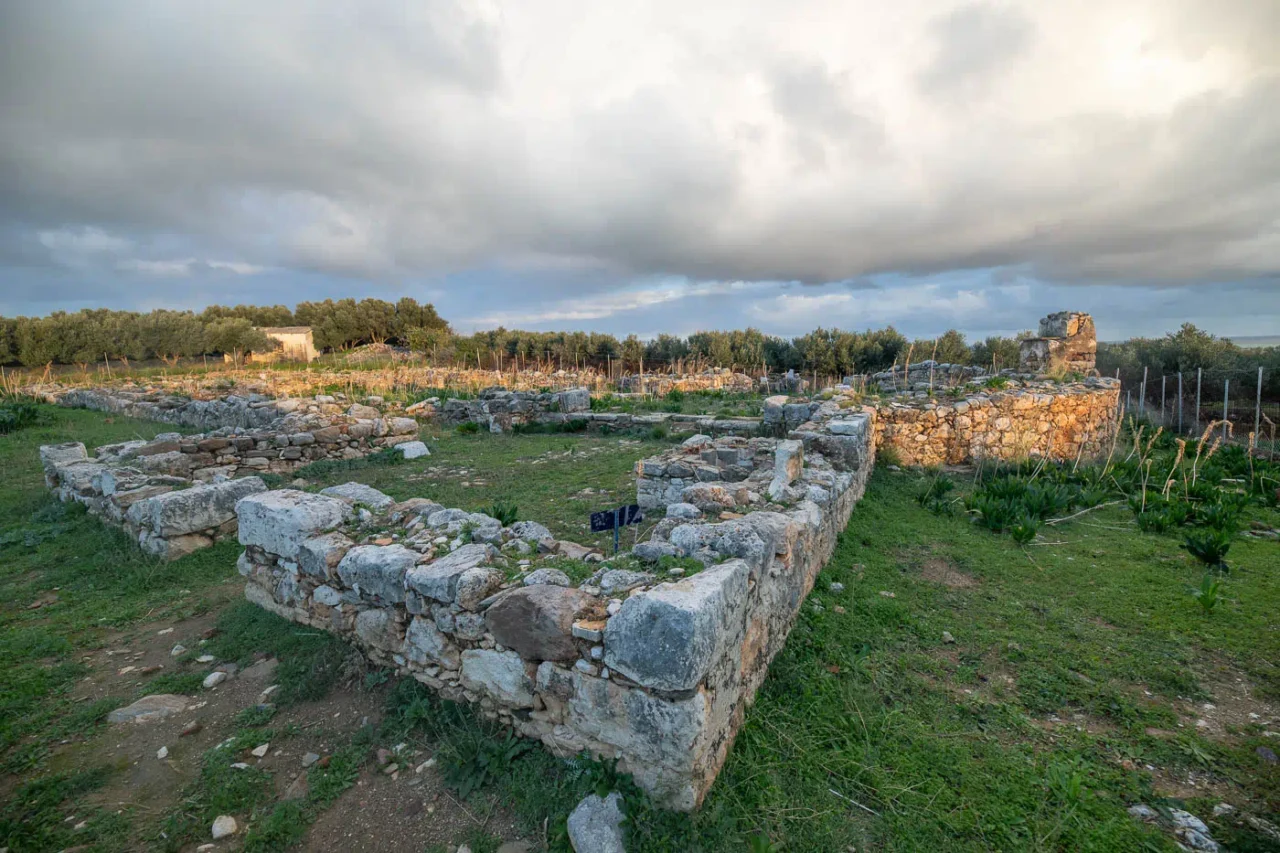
(92, 335)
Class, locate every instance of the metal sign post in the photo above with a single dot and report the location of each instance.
(615, 520)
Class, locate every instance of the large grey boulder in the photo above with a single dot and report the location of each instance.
(319, 556)
(279, 522)
(413, 449)
(501, 675)
(530, 531)
(439, 579)
(424, 643)
(378, 571)
(668, 637)
(555, 577)
(194, 509)
(359, 493)
(537, 621)
(595, 825)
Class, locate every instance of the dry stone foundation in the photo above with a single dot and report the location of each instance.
(654, 670)
(175, 494)
(1020, 419)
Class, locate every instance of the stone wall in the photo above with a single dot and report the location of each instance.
(652, 667)
(499, 410)
(1020, 419)
(167, 516)
(163, 491)
(660, 384)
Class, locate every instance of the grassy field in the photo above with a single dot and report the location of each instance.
(959, 692)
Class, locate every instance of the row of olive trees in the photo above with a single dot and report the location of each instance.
(89, 336)
(830, 352)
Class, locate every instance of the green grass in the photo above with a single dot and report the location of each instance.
(950, 745)
(93, 580)
(543, 476)
(870, 731)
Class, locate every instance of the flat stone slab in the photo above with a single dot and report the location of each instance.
(150, 709)
(359, 493)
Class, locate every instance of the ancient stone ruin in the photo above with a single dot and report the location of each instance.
(643, 659)
(1068, 343)
(654, 669)
(174, 494)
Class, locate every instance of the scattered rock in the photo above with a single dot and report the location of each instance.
(298, 788)
(178, 650)
(836, 586)
(1266, 754)
(149, 709)
(309, 759)
(1190, 830)
(205, 659)
(595, 826)
(550, 577)
(224, 826)
(190, 728)
(260, 750)
(947, 638)
(213, 679)
(412, 449)
(162, 753)
(384, 757)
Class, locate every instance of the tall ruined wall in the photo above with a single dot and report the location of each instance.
(1035, 418)
(1068, 342)
(652, 668)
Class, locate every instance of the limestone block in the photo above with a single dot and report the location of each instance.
(500, 675)
(424, 643)
(359, 493)
(378, 570)
(280, 521)
(667, 637)
(194, 509)
(439, 579)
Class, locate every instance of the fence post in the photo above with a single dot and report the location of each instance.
(1163, 410)
(1226, 391)
(1142, 403)
(1179, 402)
(1257, 409)
(1199, 373)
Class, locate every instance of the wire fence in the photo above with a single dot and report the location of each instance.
(1240, 402)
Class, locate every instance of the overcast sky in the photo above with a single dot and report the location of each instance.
(650, 166)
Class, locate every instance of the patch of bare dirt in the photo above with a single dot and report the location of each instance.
(943, 570)
(404, 814)
(408, 812)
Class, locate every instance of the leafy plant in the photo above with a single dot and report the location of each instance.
(1024, 530)
(17, 413)
(505, 511)
(485, 761)
(1209, 546)
(1209, 593)
(468, 428)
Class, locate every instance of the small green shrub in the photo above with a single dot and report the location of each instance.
(505, 511)
(468, 428)
(1209, 546)
(18, 413)
(1209, 593)
(1024, 530)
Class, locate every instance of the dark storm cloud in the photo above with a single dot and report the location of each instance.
(155, 148)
